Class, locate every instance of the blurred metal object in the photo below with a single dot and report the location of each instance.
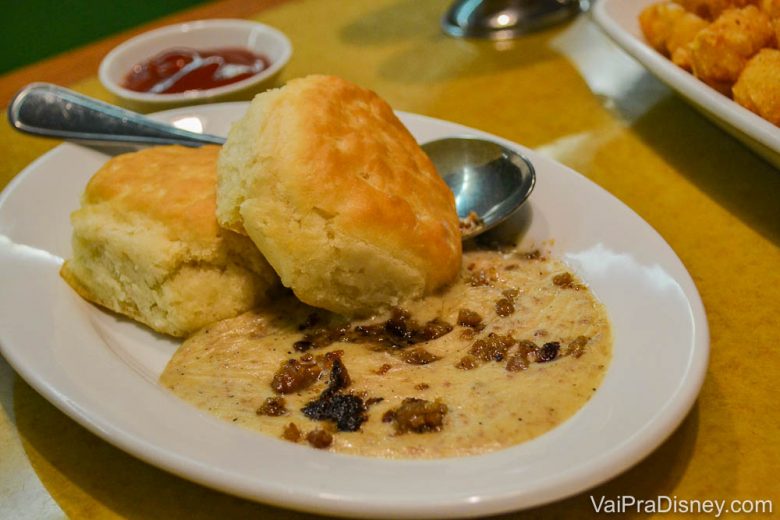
(506, 19)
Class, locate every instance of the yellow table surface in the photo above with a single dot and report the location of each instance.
(572, 94)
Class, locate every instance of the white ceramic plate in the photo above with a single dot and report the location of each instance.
(102, 371)
(620, 20)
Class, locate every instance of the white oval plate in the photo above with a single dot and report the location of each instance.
(620, 20)
(102, 371)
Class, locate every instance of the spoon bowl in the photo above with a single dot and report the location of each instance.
(490, 182)
(486, 178)
(507, 19)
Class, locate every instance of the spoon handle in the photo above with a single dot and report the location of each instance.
(48, 110)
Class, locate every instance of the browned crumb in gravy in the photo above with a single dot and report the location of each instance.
(398, 331)
(505, 307)
(384, 369)
(291, 433)
(295, 375)
(522, 353)
(548, 352)
(483, 277)
(468, 334)
(273, 407)
(566, 281)
(320, 439)
(467, 362)
(417, 415)
(532, 255)
(520, 358)
(517, 361)
(469, 318)
(492, 348)
(418, 356)
(470, 223)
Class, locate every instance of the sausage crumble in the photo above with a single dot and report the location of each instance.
(320, 439)
(417, 415)
(469, 318)
(348, 411)
(482, 277)
(577, 347)
(492, 348)
(467, 362)
(398, 331)
(273, 407)
(291, 433)
(418, 356)
(470, 223)
(548, 352)
(566, 281)
(295, 375)
(505, 307)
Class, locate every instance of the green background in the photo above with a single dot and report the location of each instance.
(31, 30)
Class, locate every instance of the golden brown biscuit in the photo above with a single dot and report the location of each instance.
(758, 87)
(720, 51)
(146, 243)
(338, 196)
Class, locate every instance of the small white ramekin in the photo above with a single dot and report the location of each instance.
(199, 35)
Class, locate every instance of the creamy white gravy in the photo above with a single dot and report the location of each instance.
(227, 368)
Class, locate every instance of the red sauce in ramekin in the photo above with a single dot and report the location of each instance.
(181, 69)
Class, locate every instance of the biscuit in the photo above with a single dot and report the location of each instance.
(338, 196)
(146, 243)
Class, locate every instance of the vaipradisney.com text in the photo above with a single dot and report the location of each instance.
(666, 504)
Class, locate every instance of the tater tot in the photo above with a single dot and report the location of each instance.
(684, 30)
(771, 8)
(657, 23)
(711, 9)
(776, 25)
(758, 87)
(720, 51)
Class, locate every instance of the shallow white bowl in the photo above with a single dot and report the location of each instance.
(200, 35)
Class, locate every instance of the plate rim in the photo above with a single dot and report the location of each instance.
(608, 466)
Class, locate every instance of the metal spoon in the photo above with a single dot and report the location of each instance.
(506, 19)
(487, 179)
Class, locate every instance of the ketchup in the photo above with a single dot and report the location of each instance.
(181, 69)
